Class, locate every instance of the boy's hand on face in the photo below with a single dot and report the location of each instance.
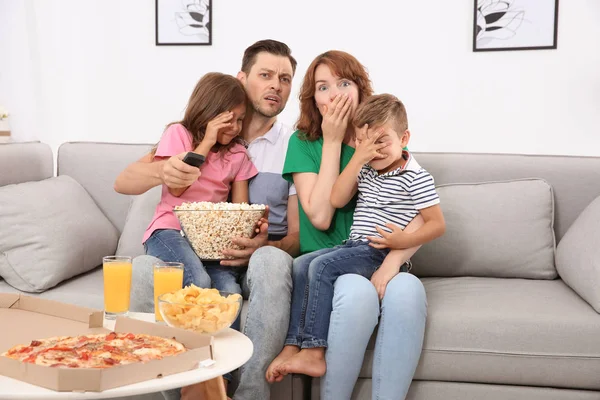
(249, 246)
(383, 276)
(176, 174)
(368, 144)
(397, 239)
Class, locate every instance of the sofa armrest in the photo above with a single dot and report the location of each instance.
(578, 255)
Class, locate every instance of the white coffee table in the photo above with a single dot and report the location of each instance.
(232, 350)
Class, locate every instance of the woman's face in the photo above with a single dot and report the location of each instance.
(328, 86)
(226, 135)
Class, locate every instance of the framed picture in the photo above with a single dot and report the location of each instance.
(515, 25)
(183, 22)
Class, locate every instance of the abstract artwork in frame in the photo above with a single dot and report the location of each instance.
(183, 22)
(515, 25)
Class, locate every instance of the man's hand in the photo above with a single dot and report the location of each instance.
(382, 276)
(397, 239)
(249, 246)
(176, 174)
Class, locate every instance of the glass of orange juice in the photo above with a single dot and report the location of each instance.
(117, 285)
(168, 276)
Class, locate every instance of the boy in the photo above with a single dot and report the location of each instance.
(392, 189)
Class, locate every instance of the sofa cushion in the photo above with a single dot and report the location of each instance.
(578, 255)
(96, 166)
(25, 162)
(431, 390)
(494, 229)
(139, 216)
(86, 290)
(507, 331)
(56, 232)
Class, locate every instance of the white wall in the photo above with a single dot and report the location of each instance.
(89, 69)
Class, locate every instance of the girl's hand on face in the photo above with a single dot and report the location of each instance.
(335, 118)
(221, 121)
(367, 145)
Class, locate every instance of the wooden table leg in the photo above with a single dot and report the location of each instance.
(214, 389)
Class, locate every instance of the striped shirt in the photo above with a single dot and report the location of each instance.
(394, 197)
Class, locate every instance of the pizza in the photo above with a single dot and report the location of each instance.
(95, 351)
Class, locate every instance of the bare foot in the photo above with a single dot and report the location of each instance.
(286, 353)
(309, 362)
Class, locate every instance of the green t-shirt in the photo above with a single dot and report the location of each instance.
(305, 156)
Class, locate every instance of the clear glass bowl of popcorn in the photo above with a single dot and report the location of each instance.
(200, 310)
(209, 227)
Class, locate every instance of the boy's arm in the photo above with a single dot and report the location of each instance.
(433, 228)
(345, 186)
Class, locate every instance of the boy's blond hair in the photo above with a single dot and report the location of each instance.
(378, 109)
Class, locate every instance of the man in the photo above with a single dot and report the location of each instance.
(267, 71)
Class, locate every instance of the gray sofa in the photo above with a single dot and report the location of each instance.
(510, 314)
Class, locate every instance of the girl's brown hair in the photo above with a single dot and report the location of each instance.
(341, 64)
(214, 94)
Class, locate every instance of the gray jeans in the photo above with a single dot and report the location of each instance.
(267, 286)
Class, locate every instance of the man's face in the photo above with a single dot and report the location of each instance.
(268, 84)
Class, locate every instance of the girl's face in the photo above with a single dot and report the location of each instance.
(226, 135)
(328, 86)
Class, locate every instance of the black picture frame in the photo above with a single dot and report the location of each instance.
(495, 18)
(178, 24)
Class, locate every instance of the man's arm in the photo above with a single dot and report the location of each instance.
(146, 173)
(139, 176)
(291, 242)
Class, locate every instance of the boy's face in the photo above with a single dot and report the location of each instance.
(393, 152)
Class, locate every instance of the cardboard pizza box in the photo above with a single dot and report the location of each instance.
(26, 318)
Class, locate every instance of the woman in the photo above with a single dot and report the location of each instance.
(334, 85)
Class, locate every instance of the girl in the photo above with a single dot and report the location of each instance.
(211, 125)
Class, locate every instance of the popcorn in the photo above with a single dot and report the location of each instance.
(209, 227)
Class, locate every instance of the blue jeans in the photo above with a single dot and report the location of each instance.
(267, 285)
(314, 275)
(356, 311)
(169, 245)
(227, 279)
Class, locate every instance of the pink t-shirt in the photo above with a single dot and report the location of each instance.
(218, 172)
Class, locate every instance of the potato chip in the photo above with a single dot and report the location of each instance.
(200, 310)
